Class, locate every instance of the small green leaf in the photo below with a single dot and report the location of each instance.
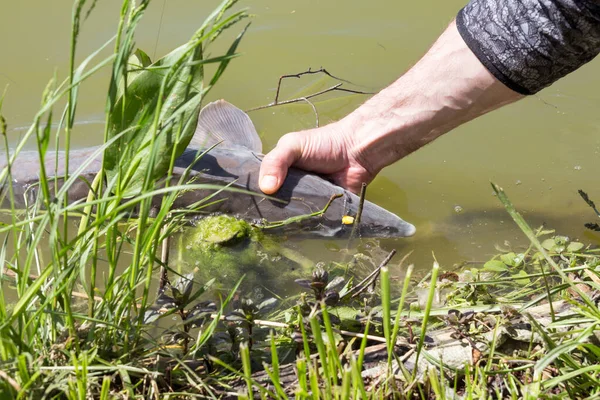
(559, 248)
(305, 283)
(200, 313)
(495, 266)
(575, 246)
(235, 316)
(143, 58)
(182, 288)
(522, 278)
(548, 244)
(519, 259)
(335, 282)
(561, 240)
(509, 259)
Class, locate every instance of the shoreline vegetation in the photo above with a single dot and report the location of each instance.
(81, 315)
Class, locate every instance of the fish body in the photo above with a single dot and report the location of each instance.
(234, 160)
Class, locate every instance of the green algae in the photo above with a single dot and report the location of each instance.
(226, 248)
(221, 230)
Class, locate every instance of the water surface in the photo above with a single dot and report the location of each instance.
(541, 150)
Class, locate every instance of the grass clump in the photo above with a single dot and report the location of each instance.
(79, 316)
(72, 316)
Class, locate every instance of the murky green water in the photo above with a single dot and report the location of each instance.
(541, 150)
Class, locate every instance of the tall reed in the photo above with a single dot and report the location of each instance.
(148, 104)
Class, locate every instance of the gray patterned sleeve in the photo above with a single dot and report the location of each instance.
(529, 44)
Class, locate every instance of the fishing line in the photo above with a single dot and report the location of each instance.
(159, 28)
(8, 77)
(56, 125)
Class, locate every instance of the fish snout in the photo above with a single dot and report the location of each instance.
(377, 222)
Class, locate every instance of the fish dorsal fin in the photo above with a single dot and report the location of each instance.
(224, 124)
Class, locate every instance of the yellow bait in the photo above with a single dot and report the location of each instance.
(347, 220)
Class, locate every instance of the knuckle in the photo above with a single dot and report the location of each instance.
(289, 140)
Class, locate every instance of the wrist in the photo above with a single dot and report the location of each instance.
(394, 123)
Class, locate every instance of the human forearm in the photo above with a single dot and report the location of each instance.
(447, 87)
(501, 50)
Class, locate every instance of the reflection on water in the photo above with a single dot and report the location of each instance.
(541, 149)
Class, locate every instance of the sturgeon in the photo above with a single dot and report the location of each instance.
(235, 160)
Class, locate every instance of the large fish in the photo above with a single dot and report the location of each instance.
(235, 158)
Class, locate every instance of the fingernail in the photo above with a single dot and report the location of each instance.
(268, 183)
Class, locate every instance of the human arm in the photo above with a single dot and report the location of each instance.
(464, 75)
(447, 87)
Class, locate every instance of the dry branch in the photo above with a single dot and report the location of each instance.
(370, 279)
(337, 87)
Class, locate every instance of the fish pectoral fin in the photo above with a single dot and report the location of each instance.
(224, 124)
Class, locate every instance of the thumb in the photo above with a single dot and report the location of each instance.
(276, 163)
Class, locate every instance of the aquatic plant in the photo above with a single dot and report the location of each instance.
(590, 225)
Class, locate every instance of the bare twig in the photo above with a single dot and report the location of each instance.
(296, 100)
(336, 87)
(273, 324)
(307, 72)
(357, 218)
(372, 277)
(361, 203)
(361, 335)
(13, 275)
(10, 381)
(383, 264)
(164, 260)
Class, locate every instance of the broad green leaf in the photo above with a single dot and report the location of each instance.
(137, 63)
(345, 313)
(160, 103)
(137, 107)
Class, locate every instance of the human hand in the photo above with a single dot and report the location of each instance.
(328, 150)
